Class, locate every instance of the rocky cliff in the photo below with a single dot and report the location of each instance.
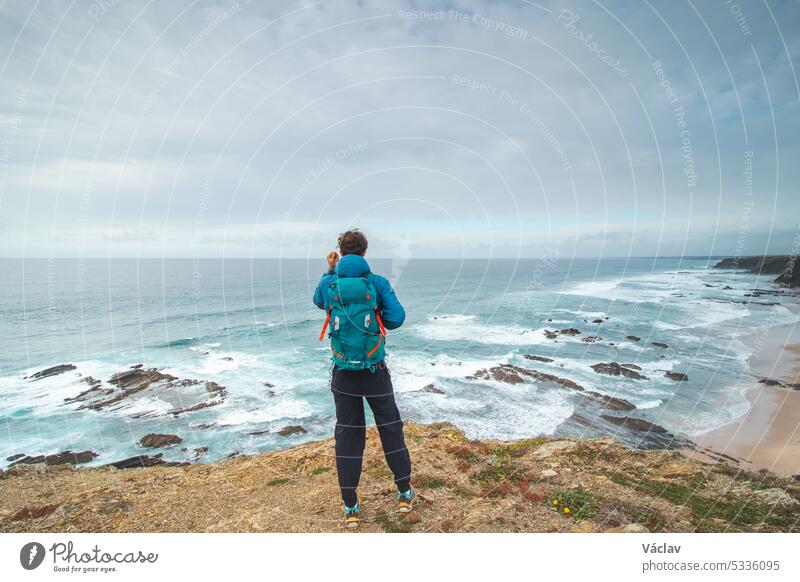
(781, 265)
(535, 485)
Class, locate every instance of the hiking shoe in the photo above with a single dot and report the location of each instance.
(405, 501)
(352, 515)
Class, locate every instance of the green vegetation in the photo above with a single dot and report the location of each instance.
(276, 482)
(429, 482)
(714, 514)
(320, 470)
(576, 503)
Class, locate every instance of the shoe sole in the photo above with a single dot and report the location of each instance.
(410, 506)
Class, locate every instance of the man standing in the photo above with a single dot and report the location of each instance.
(360, 306)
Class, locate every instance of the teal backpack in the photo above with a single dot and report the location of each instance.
(356, 330)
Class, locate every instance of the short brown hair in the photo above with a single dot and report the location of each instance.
(352, 242)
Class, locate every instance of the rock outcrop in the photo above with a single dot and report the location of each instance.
(785, 266)
(290, 430)
(615, 369)
(140, 461)
(124, 388)
(676, 376)
(64, 458)
(537, 358)
(159, 440)
(53, 371)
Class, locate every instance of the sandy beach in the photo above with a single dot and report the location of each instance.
(768, 435)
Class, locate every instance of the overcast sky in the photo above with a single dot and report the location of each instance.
(474, 128)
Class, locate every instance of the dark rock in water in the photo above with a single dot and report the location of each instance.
(504, 373)
(747, 302)
(144, 461)
(212, 388)
(187, 395)
(198, 453)
(770, 382)
(589, 397)
(544, 377)
(514, 375)
(537, 358)
(677, 376)
(155, 441)
(205, 425)
(430, 388)
(570, 331)
(138, 378)
(631, 366)
(590, 339)
(550, 334)
(633, 338)
(269, 385)
(727, 288)
(633, 423)
(659, 345)
(633, 432)
(227, 359)
(64, 458)
(614, 369)
(15, 457)
(291, 429)
(54, 371)
(95, 388)
(597, 321)
(260, 432)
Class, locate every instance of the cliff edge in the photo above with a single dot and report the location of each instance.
(536, 485)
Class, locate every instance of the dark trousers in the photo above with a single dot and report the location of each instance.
(349, 388)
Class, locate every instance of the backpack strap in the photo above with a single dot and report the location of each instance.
(371, 280)
(325, 325)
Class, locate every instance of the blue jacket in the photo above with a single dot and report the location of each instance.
(392, 313)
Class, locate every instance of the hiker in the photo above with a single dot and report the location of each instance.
(360, 306)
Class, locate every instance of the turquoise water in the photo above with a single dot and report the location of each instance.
(244, 323)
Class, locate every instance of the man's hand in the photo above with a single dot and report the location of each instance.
(333, 258)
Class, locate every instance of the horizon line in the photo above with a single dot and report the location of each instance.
(504, 258)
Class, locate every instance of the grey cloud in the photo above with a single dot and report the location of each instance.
(130, 112)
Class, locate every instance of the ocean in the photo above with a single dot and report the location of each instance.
(249, 326)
